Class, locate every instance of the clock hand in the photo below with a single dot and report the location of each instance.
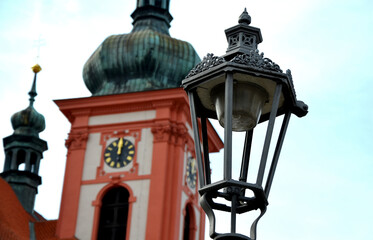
(120, 146)
(193, 164)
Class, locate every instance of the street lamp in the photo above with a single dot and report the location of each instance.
(240, 90)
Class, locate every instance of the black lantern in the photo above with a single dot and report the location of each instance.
(240, 90)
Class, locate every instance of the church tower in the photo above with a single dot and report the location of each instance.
(24, 151)
(130, 169)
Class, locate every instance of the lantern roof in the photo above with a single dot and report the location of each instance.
(245, 61)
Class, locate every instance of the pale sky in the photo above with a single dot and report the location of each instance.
(323, 184)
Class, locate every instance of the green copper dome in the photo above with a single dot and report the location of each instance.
(29, 121)
(145, 59)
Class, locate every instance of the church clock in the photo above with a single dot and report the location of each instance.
(119, 153)
(191, 172)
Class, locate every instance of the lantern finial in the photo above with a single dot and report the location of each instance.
(243, 38)
(244, 18)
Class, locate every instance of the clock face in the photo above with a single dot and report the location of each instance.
(119, 153)
(191, 172)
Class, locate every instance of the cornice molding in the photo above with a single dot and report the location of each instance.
(77, 140)
(170, 132)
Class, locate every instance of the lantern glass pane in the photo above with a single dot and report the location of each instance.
(248, 102)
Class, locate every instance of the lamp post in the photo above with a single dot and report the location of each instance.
(240, 90)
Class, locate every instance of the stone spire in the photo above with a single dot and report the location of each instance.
(24, 150)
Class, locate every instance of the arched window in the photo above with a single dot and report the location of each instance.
(114, 215)
(189, 224)
(21, 158)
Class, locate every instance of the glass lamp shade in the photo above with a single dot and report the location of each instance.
(248, 102)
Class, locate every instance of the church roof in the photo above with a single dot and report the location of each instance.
(15, 221)
(46, 231)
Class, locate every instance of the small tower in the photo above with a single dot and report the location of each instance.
(130, 171)
(24, 150)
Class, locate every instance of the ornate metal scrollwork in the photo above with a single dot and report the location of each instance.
(233, 40)
(257, 60)
(249, 40)
(253, 59)
(208, 62)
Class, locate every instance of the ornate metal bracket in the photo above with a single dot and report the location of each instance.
(233, 191)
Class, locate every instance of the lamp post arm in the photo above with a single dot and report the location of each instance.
(255, 223)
